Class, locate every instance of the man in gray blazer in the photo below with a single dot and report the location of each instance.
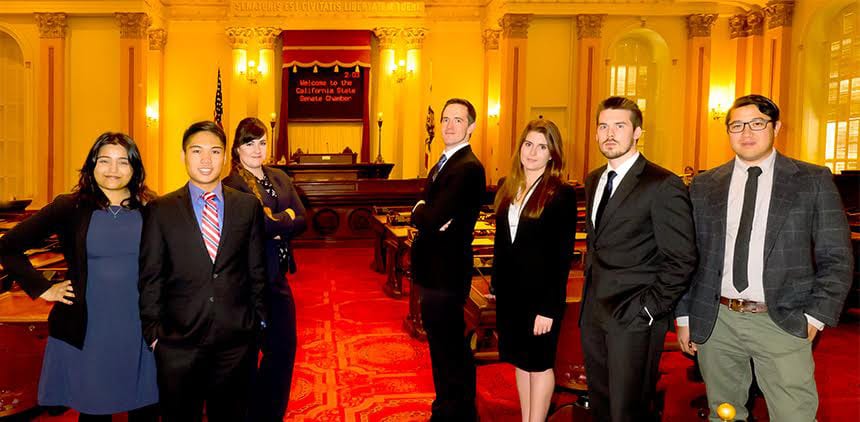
(774, 267)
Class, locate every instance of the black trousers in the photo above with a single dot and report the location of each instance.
(143, 414)
(219, 375)
(273, 378)
(450, 355)
(621, 365)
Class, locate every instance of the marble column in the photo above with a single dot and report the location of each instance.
(487, 150)
(154, 159)
(512, 108)
(585, 154)
(696, 110)
(387, 103)
(267, 82)
(416, 96)
(777, 66)
(133, 47)
(51, 106)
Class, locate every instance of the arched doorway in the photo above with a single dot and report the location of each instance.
(13, 121)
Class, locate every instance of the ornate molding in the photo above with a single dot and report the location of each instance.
(51, 25)
(327, 8)
(157, 39)
(746, 24)
(267, 36)
(699, 25)
(515, 25)
(133, 25)
(589, 26)
(778, 13)
(387, 37)
(239, 36)
(414, 37)
(491, 38)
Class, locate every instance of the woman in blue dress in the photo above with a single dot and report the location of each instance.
(285, 219)
(96, 361)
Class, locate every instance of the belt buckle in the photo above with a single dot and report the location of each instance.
(736, 305)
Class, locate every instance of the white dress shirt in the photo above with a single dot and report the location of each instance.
(620, 172)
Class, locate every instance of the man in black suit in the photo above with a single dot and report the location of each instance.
(442, 261)
(775, 266)
(202, 275)
(641, 253)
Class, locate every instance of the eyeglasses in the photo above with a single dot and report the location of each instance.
(754, 124)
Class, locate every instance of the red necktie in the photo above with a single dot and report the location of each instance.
(211, 232)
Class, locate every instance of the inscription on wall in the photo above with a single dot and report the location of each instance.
(325, 7)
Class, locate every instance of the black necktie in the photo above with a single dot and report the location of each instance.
(742, 240)
(604, 199)
(438, 167)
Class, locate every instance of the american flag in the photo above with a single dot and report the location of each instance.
(219, 107)
(430, 126)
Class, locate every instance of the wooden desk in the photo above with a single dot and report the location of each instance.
(321, 171)
(23, 334)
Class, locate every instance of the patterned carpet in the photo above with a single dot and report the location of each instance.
(355, 362)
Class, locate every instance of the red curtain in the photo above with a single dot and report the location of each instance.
(325, 48)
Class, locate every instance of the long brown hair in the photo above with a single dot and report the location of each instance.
(551, 179)
(249, 129)
(88, 191)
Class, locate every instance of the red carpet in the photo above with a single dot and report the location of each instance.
(355, 363)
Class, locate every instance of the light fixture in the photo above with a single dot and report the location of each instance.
(401, 71)
(493, 111)
(251, 71)
(718, 112)
(151, 116)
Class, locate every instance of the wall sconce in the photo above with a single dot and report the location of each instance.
(152, 116)
(493, 111)
(719, 95)
(251, 71)
(401, 71)
(718, 112)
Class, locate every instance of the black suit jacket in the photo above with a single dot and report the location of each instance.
(644, 252)
(70, 220)
(284, 227)
(531, 272)
(443, 259)
(186, 299)
(807, 253)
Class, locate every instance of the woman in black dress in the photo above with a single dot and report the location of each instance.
(535, 231)
(95, 360)
(285, 220)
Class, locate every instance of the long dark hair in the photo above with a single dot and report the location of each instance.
(89, 192)
(249, 129)
(551, 179)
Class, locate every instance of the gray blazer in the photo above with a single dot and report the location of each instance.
(807, 254)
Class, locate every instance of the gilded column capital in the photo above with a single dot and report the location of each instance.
(387, 36)
(414, 37)
(239, 36)
(491, 38)
(51, 25)
(515, 25)
(157, 39)
(133, 25)
(737, 26)
(699, 25)
(755, 22)
(778, 13)
(589, 26)
(266, 36)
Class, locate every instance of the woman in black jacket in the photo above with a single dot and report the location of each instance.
(95, 360)
(285, 220)
(535, 231)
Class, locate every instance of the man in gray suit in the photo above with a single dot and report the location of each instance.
(774, 267)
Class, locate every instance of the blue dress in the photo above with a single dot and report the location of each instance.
(115, 371)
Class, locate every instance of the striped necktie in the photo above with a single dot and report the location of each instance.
(211, 232)
(439, 165)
